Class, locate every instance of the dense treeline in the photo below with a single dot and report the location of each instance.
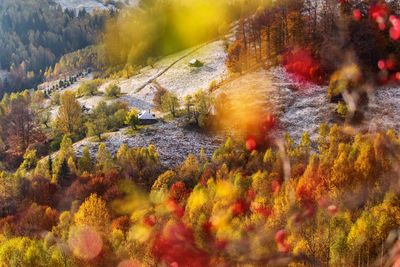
(286, 206)
(26, 124)
(35, 34)
(75, 62)
(351, 46)
(313, 39)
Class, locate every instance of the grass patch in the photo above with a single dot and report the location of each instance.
(95, 139)
(113, 97)
(97, 93)
(133, 132)
(179, 113)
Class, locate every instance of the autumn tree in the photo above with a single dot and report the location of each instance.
(23, 251)
(235, 59)
(202, 104)
(132, 119)
(190, 170)
(88, 88)
(164, 181)
(170, 103)
(44, 117)
(113, 90)
(38, 100)
(18, 125)
(60, 169)
(96, 127)
(9, 193)
(188, 105)
(93, 212)
(69, 115)
(157, 96)
(85, 163)
(102, 156)
(30, 160)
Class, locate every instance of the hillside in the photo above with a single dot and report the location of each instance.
(181, 79)
(34, 35)
(297, 105)
(90, 5)
(201, 133)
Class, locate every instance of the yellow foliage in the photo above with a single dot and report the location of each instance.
(93, 212)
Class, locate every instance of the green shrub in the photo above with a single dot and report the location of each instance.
(30, 160)
(88, 88)
(113, 90)
(55, 144)
(118, 119)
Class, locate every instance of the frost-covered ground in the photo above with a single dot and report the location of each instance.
(180, 78)
(306, 107)
(303, 107)
(89, 5)
(384, 110)
(298, 107)
(309, 108)
(172, 142)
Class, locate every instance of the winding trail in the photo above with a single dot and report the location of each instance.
(137, 90)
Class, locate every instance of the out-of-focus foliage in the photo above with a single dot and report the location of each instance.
(314, 40)
(338, 206)
(158, 28)
(329, 201)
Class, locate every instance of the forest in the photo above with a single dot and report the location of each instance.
(338, 205)
(34, 35)
(262, 198)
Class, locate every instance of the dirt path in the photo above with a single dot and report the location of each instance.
(137, 90)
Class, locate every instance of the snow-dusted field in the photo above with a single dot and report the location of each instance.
(180, 78)
(89, 5)
(298, 107)
(384, 110)
(272, 92)
(172, 142)
(306, 107)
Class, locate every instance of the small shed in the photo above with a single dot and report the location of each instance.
(146, 117)
(195, 63)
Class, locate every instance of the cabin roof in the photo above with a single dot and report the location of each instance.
(145, 115)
